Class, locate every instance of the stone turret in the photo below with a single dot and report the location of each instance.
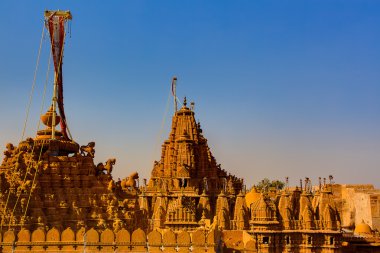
(204, 207)
(223, 211)
(186, 159)
(326, 211)
(264, 209)
(188, 173)
(306, 211)
(285, 209)
(241, 214)
(159, 211)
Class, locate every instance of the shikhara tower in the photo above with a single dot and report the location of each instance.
(187, 177)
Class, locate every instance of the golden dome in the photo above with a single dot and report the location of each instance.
(252, 196)
(363, 229)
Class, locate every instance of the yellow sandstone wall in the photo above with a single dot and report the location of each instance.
(108, 241)
(356, 203)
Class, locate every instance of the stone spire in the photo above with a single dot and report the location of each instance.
(223, 211)
(326, 210)
(204, 207)
(186, 158)
(241, 213)
(285, 209)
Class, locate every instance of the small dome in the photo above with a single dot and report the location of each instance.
(363, 229)
(252, 196)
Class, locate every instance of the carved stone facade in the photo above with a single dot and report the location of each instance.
(48, 183)
(186, 186)
(53, 198)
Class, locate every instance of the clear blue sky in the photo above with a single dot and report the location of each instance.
(282, 88)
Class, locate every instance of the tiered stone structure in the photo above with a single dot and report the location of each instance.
(187, 184)
(295, 221)
(189, 191)
(54, 183)
(54, 198)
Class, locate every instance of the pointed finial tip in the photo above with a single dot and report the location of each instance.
(184, 101)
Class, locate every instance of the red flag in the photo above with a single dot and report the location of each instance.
(56, 26)
(174, 80)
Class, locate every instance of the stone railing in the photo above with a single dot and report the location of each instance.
(107, 241)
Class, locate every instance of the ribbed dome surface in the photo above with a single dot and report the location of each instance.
(363, 229)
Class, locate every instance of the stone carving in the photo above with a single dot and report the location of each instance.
(9, 150)
(130, 181)
(89, 149)
(109, 165)
(100, 168)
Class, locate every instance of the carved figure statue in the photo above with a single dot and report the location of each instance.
(10, 149)
(109, 165)
(99, 168)
(130, 181)
(89, 149)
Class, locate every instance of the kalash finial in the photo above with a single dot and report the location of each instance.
(184, 101)
(47, 118)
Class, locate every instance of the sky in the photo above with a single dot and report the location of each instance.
(281, 88)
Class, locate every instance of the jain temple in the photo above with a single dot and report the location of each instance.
(54, 198)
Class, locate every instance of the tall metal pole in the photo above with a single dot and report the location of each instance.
(54, 101)
(174, 87)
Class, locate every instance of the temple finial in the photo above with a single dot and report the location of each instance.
(199, 127)
(184, 101)
(286, 183)
(192, 104)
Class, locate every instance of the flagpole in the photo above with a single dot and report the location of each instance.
(55, 22)
(174, 86)
(54, 100)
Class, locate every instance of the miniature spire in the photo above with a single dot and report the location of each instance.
(184, 102)
(287, 183)
(199, 127)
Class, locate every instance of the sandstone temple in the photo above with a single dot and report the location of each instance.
(54, 198)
